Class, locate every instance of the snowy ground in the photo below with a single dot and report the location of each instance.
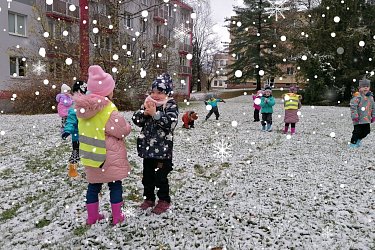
(320, 195)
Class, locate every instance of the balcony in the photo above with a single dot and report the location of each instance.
(160, 15)
(184, 70)
(103, 21)
(159, 40)
(185, 48)
(60, 9)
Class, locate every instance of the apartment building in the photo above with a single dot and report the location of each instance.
(220, 69)
(73, 33)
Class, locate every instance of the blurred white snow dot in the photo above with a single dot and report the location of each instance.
(42, 52)
(65, 33)
(166, 1)
(14, 95)
(45, 81)
(288, 137)
(314, 132)
(304, 57)
(244, 93)
(193, 15)
(94, 21)
(299, 113)
(239, 24)
(49, 2)
(279, 116)
(188, 103)
(361, 43)
(189, 56)
(46, 34)
(137, 33)
(95, 30)
(286, 98)
(82, 110)
(68, 61)
(144, 13)
(208, 107)
(340, 50)
(67, 206)
(143, 73)
(257, 101)
(115, 57)
(336, 19)
(72, 7)
(261, 72)
(114, 69)
(342, 185)
(363, 108)
(238, 73)
(333, 34)
(53, 107)
(36, 92)
(2, 132)
(283, 38)
(129, 53)
(234, 123)
(160, 54)
(110, 26)
(312, 107)
(332, 134)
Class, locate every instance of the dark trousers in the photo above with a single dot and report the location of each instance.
(189, 124)
(360, 131)
(155, 174)
(115, 194)
(292, 125)
(74, 157)
(266, 119)
(213, 110)
(256, 115)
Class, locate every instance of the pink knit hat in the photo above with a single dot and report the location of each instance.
(99, 82)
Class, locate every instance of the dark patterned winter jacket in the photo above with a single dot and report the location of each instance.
(156, 137)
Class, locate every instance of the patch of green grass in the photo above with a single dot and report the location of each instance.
(134, 195)
(225, 165)
(80, 231)
(232, 94)
(10, 213)
(199, 169)
(43, 223)
(131, 142)
(6, 174)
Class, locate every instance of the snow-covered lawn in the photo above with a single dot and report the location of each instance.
(271, 192)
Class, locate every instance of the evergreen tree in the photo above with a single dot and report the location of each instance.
(255, 43)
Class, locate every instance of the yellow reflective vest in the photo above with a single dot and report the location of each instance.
(92, 137)
(291, 101)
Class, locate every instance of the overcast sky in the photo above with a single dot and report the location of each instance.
(220, 10)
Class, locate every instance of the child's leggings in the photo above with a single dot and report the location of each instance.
(115, 194)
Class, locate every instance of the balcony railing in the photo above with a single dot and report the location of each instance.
(62, 8)
(185, 70)
(185, 48)
(160, 14)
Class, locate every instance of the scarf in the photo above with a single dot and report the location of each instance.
(158, 103)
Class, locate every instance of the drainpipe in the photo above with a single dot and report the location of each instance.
(84, 39)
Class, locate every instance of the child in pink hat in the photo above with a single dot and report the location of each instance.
(102, 130)
(256, 104)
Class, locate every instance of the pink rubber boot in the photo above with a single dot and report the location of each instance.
(286, 129)
(293, 131)
(93, 214)
(117, 214)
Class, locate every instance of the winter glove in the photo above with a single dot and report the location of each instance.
(65, 135)
(373, 120)
(356, 119)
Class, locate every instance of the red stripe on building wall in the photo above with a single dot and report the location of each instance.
(84, 39)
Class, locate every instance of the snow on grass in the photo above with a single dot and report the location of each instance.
(271, 191)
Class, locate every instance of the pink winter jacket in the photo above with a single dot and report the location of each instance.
(116, 167)
(256, 106)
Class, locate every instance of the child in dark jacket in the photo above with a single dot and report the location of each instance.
(362, 108)
(158, 118)
(188, 119)
(267, 103)
(71, 128)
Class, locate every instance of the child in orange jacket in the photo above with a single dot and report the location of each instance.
(188, 119)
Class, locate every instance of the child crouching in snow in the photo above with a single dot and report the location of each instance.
(362, 108)
(71, 128)
(267, 102)
(158, 118)
(101, 134)
(292, 103)
(188, 119)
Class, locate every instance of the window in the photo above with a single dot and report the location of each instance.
(183, 61)
(290, 71)
(17, 66)
(158, 28)
(145, 2)
(143, 54)
(222, 63)
(170, 10)
(128, 20)
(215, 83)
(16, 24)
(220, 83)
(143, 25)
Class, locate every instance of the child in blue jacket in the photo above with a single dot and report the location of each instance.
(267, 103)
(71, 128)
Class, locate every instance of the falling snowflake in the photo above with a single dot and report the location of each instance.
(181, 32)
(39, 68)
(223, 150)
(326, 233)
(276, 8)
